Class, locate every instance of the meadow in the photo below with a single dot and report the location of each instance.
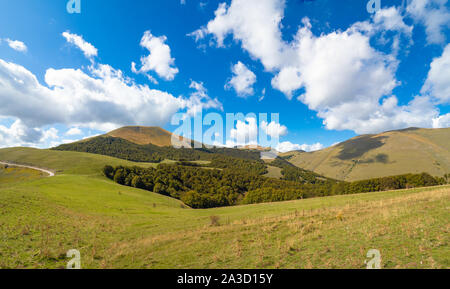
(115, 226)
(11, 174)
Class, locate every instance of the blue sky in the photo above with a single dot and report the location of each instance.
(331, 69)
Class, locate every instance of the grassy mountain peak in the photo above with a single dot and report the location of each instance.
(143, 135)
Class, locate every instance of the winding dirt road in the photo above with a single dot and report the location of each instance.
(50, 173)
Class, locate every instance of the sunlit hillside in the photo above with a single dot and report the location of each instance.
(386, 154)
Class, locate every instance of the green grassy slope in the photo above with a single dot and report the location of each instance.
(64, 162)
(10, 174)
(122, 227)
(274, 172)
(386, 154)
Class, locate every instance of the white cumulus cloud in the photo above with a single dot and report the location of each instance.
(159, 60)
(442, 122)
(245, 133)
(274, 129)
(19, 134)
(101, 98)
(254, 23)
(16, 45)
(88, 49)
(199, 99)
(391, 19)
(74, 131)
(242, 80)
(340, 75)
(437, 84)
(288, 146)
(434, 15)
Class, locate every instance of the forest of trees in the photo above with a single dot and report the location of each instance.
(196, 187)
(331, 188)
(207, 188)
(123, 149)
(257, 167)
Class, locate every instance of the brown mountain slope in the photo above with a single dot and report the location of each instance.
(143, 135)
(391, 153)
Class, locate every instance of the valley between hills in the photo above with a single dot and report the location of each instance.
(117, 225)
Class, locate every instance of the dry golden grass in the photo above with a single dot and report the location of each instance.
(143, 135)
(403, 228)
(273, 172)
(410, 151)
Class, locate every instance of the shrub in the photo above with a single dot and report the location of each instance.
(108, 171)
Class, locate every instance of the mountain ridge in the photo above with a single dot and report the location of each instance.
(144, 135)
(395, 152)
(411, 150)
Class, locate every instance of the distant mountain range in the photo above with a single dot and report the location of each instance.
(144, 135)
(412, 150)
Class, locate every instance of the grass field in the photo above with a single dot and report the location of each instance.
(64, 162)
(273, 172)
(10, 174)
(122, 227)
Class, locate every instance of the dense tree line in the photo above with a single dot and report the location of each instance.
(330, 188)
(389, 183)
(123, 149)
(207, 188)
(257, 167)
(293, 173)
(247, 154)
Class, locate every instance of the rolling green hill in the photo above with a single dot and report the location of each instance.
(123, 227)
(64, 162)
(386, 154)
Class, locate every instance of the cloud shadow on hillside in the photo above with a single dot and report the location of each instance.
(356, 148)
